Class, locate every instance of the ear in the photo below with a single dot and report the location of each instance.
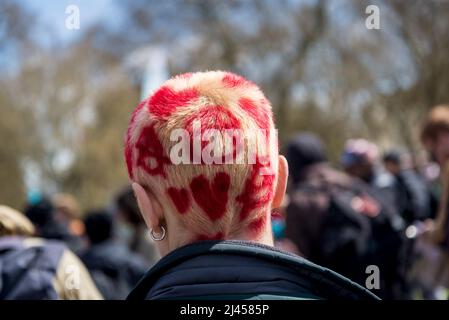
(281, 185)
(147, 207)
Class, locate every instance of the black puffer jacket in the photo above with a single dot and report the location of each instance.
(235, 270)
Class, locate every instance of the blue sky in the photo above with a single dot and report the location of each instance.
(52, 14)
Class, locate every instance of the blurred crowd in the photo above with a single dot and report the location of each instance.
(368, 212)
(50, 251)
(385, 210)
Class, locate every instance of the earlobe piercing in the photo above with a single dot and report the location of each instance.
(158, 237)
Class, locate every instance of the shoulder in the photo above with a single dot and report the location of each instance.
(324, 282)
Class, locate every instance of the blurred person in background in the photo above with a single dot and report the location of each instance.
(429, 170)
(414, 200)
(131, 228)
(411, 193)
(435, 138)
(211, 222)
(37, 269)
(41, 212)
(338, 221)
(360, 159)
(114, 268)
(432, 247)
(68, 213)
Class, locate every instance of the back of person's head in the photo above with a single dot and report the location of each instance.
(359, 151)
(392, 161)
(14, 223)
(436, 122)
(359, 157)
(435, 134)
(393, 156)
(219, 188)
(304, 150)
(68, 213)
(127, 206)
(99, 226)
(67, 205)
(40, 211)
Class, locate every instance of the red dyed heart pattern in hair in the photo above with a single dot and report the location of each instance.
(212, 198)
(166, 100)
(180, 198)
(258, 113)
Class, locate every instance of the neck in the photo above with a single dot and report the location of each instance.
(264, 236)
(181, 237)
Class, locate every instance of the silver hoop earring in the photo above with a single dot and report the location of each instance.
(160, 237)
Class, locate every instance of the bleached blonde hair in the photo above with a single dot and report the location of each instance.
(212, 201)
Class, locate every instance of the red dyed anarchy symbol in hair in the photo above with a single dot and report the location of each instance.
(128, 146)
(151, 155)
(212, 198)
